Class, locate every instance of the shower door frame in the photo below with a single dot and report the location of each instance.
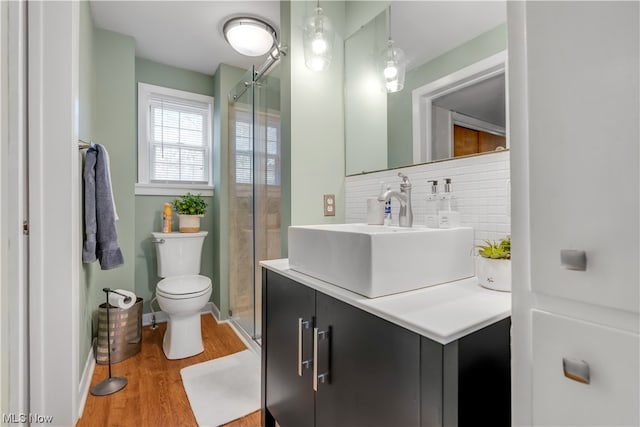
(249, 326)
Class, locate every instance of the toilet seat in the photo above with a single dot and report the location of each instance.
(183, 287)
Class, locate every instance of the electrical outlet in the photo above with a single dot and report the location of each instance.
(329, 205)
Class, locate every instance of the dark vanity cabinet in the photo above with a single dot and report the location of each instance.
(326, 363)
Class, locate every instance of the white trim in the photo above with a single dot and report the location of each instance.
(521, 298)
(216, 312)
(172, 189)
(421, 99)
(54, 197)
(144, 91)
(5, 344)
(477, 124)
(85, 380)
(14, 211)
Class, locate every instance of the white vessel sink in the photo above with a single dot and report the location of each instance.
(376, 260)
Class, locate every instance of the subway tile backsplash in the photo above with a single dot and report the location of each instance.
(481, 185)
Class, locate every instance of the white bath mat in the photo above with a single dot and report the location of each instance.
(223, 389)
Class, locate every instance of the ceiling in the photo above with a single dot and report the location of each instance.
(427, 29)
(188, 34)
(484, 100)
(184, 34)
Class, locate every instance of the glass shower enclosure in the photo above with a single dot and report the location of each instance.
(254, 192)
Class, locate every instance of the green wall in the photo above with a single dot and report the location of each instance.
(285, 128)
(154, 73)
(148, 209)
(106, 116)
(358, 13)
(399, 107)
(317, 122)
(225, 78)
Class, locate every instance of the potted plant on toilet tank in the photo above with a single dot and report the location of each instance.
(493, 264)
(190, 208)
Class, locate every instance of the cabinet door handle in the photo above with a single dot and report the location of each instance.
(577, 370)
(324, 377)
(302, 324)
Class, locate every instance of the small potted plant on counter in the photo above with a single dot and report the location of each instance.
(493, 265)
(190, 208)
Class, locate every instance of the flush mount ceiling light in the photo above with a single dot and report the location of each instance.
(392, 63)
(318, 40)
(250, 36)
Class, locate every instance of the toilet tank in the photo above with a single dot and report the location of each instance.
(178, 254)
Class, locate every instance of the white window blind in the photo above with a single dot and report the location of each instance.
(244, 153)
(174, 142)
(178, 141)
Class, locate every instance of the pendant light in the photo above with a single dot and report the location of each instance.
(392, 63)
(318, 40)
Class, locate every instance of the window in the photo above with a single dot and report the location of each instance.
(174, 141)
(244, 148)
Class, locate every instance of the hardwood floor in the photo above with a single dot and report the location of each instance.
(154, 395)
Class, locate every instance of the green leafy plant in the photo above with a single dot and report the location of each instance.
(190, 204)
(495, 250)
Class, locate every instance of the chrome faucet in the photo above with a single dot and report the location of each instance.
(405, 217)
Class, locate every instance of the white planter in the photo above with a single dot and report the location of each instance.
(494, 273)
(189, 223)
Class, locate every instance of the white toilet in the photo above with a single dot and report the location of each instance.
(183, 292)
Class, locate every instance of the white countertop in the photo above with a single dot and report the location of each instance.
(443, 313)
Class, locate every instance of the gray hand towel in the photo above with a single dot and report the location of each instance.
(101, 237)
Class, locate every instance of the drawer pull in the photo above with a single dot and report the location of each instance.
(573, 260)
(577, 370)
(302, 324)
(323, 377)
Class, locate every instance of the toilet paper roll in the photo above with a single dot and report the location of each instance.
(122, 302)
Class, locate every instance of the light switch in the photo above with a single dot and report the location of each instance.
(329, 205)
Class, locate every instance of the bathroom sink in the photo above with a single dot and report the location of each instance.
(376, 260)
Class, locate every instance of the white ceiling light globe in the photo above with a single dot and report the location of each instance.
(249, 36)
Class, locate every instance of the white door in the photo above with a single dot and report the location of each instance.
(575, 99)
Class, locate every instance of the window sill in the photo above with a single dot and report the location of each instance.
(172, 189)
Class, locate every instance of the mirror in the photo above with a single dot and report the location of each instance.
(453, 100)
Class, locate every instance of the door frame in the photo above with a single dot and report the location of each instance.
(422, 99)
(13, 212)
(54, 197)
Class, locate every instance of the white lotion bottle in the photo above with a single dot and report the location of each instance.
(433, 203)
(448, 216)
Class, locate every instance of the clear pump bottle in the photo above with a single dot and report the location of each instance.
(433, 205)
(448, 215)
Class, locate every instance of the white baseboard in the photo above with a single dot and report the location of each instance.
(85, 380)
(215, 311)
(161, 316)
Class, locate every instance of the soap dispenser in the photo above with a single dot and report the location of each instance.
(448, 215)
(433, 205)
(387, 209)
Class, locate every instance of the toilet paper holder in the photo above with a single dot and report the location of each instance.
(110, 384)
(127, 298)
